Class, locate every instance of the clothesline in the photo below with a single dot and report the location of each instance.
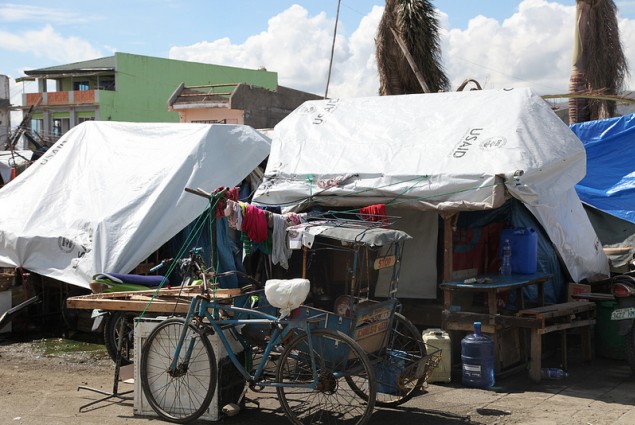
(283, 232)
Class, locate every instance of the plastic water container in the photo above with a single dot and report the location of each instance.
(524, 244)
(437, 339)
(477, 357)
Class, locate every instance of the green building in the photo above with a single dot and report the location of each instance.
(123, 87)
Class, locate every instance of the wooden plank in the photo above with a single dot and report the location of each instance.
(128, 305)
(570, 325)
(558, 310)
(499, 321)
(161, 301)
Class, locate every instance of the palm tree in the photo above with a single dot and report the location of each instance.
(599, 64)
(407, 49)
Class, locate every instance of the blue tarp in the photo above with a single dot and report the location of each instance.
(609, 184)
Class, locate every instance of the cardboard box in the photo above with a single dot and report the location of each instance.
(577, 288)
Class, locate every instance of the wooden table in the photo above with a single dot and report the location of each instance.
(494, 322)
(559, 317)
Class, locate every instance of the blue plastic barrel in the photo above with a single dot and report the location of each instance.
(477, 356)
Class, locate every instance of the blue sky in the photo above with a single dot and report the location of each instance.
(499, 43)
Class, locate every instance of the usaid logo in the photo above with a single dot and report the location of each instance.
(468, 141)
(65, 245)
(493, 143)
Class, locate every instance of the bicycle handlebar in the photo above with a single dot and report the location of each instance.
(255, 282)
(160, 265)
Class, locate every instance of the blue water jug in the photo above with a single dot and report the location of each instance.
(477, 356)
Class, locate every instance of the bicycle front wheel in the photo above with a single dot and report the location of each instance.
(331, 399)
(181, 395)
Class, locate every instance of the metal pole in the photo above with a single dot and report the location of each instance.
(328, 79)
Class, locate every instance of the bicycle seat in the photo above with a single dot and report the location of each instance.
(287, 294)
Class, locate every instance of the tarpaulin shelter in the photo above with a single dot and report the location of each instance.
(108, 194)
(608, 189)
(431, 154)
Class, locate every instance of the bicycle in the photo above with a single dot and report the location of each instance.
(318, 372)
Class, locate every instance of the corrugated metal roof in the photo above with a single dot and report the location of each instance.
(94, 65)
(215, 94)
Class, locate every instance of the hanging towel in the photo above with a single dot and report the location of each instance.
(374, 213)
(280, 252)
(255, 224)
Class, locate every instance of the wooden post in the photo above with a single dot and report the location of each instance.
(447, 246)
(305, 250)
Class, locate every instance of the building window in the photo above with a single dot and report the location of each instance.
(106, 84)
(37, 126)
(60, 126)
(82, 119)
(81, 85)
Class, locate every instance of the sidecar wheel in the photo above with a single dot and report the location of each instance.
(111, 336)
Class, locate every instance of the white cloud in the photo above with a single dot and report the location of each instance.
(295, 45)
(48, 44)
(25, 13)
(533, 47)
(298, 47)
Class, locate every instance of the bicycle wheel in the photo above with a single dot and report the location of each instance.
(395, 370)
(330, 400)
(111, 336)
(182, 395)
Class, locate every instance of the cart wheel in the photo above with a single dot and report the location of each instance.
(329, 400)
(111, 336)
(183, 395)
(395, 370)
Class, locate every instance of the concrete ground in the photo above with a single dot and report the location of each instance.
(38, 388)
(600, 393)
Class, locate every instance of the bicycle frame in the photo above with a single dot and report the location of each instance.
(200, 308)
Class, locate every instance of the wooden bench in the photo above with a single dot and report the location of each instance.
(559, 317)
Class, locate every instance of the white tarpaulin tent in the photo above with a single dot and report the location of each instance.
(446, 152)
(108, 194)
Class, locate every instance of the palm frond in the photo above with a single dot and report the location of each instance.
(415, 22)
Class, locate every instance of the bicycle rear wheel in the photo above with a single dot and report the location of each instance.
(396, 369)
(182, 395)
(330, 400)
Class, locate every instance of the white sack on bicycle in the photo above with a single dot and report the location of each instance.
(287, 294)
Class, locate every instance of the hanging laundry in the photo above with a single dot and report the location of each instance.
(295, 218)
(280, 252)
(255, 224)
(231, 194)
(375, 213)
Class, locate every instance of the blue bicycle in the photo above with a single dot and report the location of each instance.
(318, 375)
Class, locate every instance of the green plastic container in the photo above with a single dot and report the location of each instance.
(608, 343)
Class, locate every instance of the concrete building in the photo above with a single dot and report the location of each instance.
(236, 104)
(132, 88)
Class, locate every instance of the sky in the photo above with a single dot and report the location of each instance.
(499, 43)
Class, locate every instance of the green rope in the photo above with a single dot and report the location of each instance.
(309, 178)
(423, 198)
(195, 232)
